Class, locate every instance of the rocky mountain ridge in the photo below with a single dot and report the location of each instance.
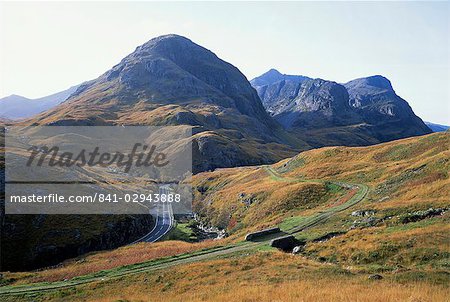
(361, 112)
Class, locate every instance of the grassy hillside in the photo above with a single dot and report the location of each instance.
(407, 204)
(397, 229)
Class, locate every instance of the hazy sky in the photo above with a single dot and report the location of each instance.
(47, 47)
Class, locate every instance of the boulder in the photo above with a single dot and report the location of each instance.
(297, 249)
(256, 235)
(375, 277)
(286, 243)
(363, 213)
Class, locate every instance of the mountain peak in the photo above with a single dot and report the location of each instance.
(170, 46)
(170, 38)
(272, 76)
(272, 72)
(376, 81)
(267, 78)
(171, 80)
(15, 96)
(379, 81)
(170, 69)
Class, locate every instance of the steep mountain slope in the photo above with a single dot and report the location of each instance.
(18, 107)
(317, 104)
(170, 81)
(323, 113)
(389, 115)
(35, 241)
(167, 81)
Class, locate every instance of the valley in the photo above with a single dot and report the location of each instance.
(308, 222)
(350, 232)
(348, 170)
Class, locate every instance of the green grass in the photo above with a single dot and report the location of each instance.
(183, 232)
(332, 187)
(298, 223)
(294, 163)
(412, 225)
(291, 222)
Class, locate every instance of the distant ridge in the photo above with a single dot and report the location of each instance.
(437, 127)
(18, 107)
(361, 112)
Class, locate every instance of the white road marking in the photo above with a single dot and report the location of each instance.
(165, 217)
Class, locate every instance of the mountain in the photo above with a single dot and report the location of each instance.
(19, 107)
(437, 127)
(273, 87)
(172, 81)
(389, 116)
(167, 81)
(316, 103)
(323, 113)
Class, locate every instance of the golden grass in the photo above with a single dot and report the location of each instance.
(397, 247)
(389, 169)
(264, 276)
(104, 260)
(406, 175)
(272, 200)
(311, 291)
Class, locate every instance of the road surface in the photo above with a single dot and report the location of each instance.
(163, 220)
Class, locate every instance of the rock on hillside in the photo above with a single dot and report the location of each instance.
(317, 103)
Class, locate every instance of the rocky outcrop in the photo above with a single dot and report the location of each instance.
(37, 241)
(328, 236)
(318, 104)
(297, 250)
(286, 243)
(274, 87)
(375, 277)
(362, 213)
(420, 215)
(389, 116)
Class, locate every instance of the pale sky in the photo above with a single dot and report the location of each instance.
(46, 47)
